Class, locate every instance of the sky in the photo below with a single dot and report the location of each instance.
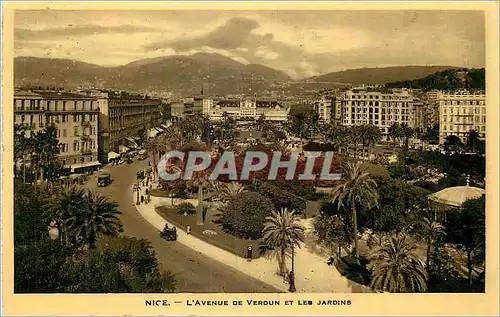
(300, 43)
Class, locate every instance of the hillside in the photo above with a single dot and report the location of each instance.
(377, 76)
(446, 80)
(180, 74)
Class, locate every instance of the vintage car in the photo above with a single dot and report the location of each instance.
(169, 234)
(103, 179)
(143, 154)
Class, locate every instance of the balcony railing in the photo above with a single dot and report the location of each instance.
(85, 123)
(87, 151)
(85, 137)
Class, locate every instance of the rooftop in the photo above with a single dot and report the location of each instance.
(456, 196)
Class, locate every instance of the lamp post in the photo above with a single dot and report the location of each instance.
(291, 277)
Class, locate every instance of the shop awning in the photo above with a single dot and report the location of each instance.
(82, 165)
(152, 133)
(113, 155)
(123, 149)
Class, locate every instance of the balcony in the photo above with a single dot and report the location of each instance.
(87, 151)
(85, 137)
(85, 123)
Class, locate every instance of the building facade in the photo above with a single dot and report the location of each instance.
(459, 112)
(124, 119)
(74, 115)
(324, 109)
(379, 109)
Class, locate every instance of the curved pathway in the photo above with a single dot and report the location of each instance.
(312, 274)
(195, 272)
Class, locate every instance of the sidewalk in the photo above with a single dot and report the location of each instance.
(312, 274)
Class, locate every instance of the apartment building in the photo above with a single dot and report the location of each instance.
(461, 111)
(123, 118)
(324, 109)
(74, 115)
(377, 108)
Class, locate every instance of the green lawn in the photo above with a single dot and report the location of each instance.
(221, 240)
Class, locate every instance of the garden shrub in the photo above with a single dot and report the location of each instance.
(246, 214)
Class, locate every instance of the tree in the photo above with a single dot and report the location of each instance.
(394, 133)
(245, 216)
(473, 139)
(335, 231)
(228, 191)
(466, 229)
(397, 267)
(46, 150)
(283, 231)
(154, 147)
(84, 215)
(358, 189)
(372, 137)
(430, 231)
(116, 265)
(225, 132)
(453, 143)
(303, 123)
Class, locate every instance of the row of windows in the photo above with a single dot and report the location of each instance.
(54, 118)
(476, 110)
(77, 145)
(81, 160)
(457, 119)
(463, 128)
(384, 97)
(462, 102)
(55, 105)
(377, 104)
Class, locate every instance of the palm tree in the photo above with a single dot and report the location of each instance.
(357, 189)
(104, 213)
(153, 146)
(282, 232)
(473, 138)
(394, 133)
(83, 214)
(430, 231)
(373, 137)
(397, 267)
(406, 133)
(228, 191)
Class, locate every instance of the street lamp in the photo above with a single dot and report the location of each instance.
(291, 277)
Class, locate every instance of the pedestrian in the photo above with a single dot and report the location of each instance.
(147, 191)
(142, 198)
(188, 229)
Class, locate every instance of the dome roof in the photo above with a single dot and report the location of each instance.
(456, 196)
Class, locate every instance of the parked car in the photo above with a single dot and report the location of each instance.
(103, 179)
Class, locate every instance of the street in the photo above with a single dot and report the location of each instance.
(195, 273)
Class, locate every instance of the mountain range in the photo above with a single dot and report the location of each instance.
(212, 72)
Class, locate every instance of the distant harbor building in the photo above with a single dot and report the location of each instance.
(246, 110)
(377, 108)
(74, 115)
(461, 111)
